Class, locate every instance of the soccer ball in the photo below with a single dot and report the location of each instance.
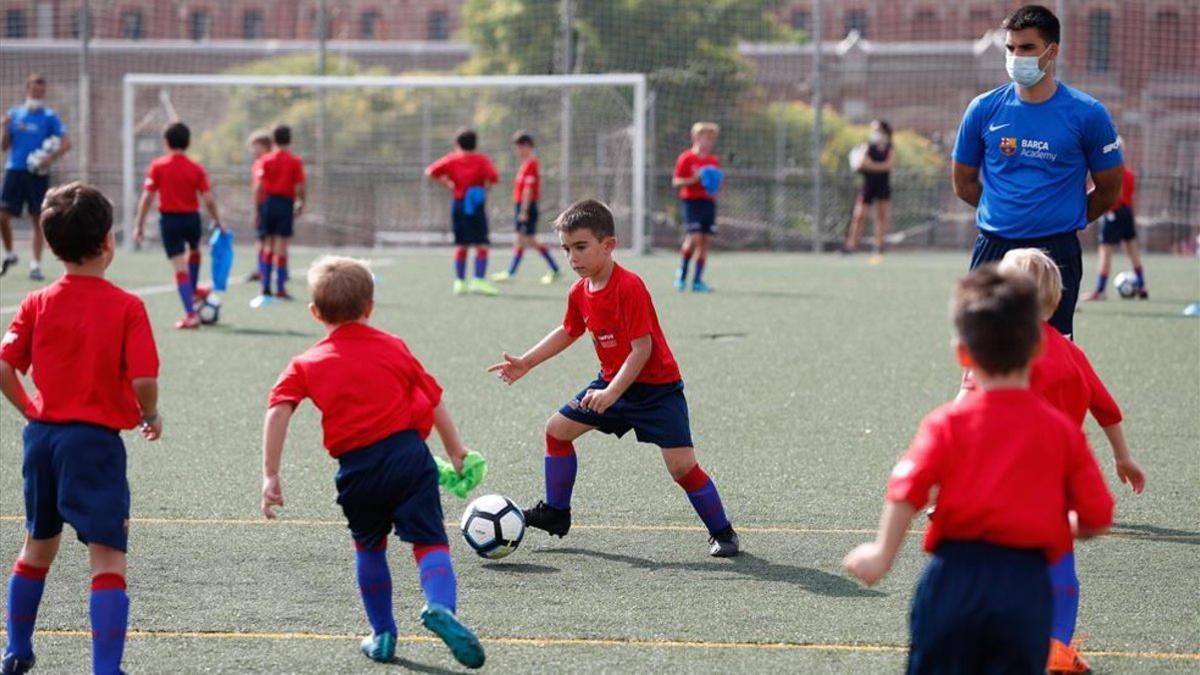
(34, 159)
(209, 309)
(1126, 284)
(493, 526)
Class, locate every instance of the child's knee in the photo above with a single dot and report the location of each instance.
(106, 559)
(679, 461)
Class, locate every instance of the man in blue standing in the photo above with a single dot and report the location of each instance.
(1023, 155)
(25, 130)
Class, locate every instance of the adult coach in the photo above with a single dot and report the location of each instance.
(1023, 155)
(24, 129)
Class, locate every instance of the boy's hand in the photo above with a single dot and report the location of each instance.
(867, 563)
(456, 456)
(139, 233)
(272, 495)
(511, 369)
(151, 427)
(1131, 474)
(598, 400)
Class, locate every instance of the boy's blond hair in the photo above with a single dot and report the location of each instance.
(701, 127)
(1043, 269)
(341, 288)
(259, 137)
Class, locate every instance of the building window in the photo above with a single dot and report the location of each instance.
(439, 25)
(800, 20)
(856, 19)
(14, 24)
(1099, 41)
(925, 25)
(199, 25)
(252, 24)
(131, 24)
(77, 19)
(369, 25)
(1167, 45)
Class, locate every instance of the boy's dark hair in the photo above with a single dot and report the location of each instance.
(282, 135)
(587, 214)
(76, 218)
(1035, 16)
(996, 315)
(465, 138)
(523, 137)
(178, 136)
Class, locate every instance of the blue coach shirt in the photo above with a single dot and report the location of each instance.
(29, 129)
(1034, 158)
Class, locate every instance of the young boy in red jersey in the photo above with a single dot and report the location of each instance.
(697, 205)
(527, 190)
(639, 386)
(279, 187)
(259, 145)
(80, 329)
(386, 477)
(467, 175)
(1117, 227)
(1008, 467)
(1062, 374)
(178, 180)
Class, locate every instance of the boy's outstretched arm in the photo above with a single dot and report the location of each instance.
(599, 400)
(14, 391)
(145, 389)
(274, 434)
(870, 561)
(1127, 469)
(451, 443)
(143, 209)
(513, 368)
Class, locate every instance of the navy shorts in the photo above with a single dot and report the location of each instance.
(981, 608)
(1117, 226)
(23, 190)
(179, 231)
(528, 226)
(469, 230)
(276, 217)
(75, 473)
(657, 413)
(699, 215)
(392, 483)
(1063, 248)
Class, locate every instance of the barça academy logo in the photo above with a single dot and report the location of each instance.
(1008, 146)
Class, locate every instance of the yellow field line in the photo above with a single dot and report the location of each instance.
(752, 529)
(587, 642)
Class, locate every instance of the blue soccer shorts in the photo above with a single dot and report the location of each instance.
(657, 414)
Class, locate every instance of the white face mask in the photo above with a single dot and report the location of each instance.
(1024, 70)
(34, 103)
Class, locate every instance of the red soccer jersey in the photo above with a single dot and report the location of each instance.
(87, 340)
(1008, 468)
(279, 172)
(687, 166)
(255, 170)
(366, 384)
(466, 170)
(528, 176)
(1128, 187)
(617, 315)
(177, 180)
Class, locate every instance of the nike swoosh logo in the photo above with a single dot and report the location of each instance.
(997, 127)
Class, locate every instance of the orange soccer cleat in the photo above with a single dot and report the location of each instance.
(1065, 659)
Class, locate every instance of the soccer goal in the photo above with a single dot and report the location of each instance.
(366, 141)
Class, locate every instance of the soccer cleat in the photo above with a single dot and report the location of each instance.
(11, 665)
(1094, 296)
(460, 287)
(189, 322)
(545, 517)
(724, 544)
(461, 641)
(253, 277)
(283, 295)
(1065, 659)
(501, 277)
(35, 274)
(551, 277)
(261, 301)
(200, 294)
(701, 287)
(10, 259)
(1142, 293)
(379, 647)
(680, 281)
(481, 287)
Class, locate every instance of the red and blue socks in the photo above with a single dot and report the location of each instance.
(561, 465)
(193, 265)
(460, 263)
(1064, 593)
(700, 260)
(109, 609)
(25, 588)
(518, 253)
(481, 259)
(281, 271)
(1101, 282)
(685, 259)
(375, 585)
(437, 575)
(702, 493)
(545, 251)
(1141, 277)
(187, 292)
(265, 268)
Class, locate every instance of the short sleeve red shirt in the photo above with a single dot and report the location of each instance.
(255, 174)
(365, 382)
(528, 176)
(177, 180)
(466, 170)
(617, 315)
(279, 172)
(1008, 467)
(1128, 187)
(687, 166)
(86, 340)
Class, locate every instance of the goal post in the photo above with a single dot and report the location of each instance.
(377, 133)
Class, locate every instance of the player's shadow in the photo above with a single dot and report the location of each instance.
(778, 295)
(1155, 533)
(746, 565)
(263, 332)
(519, 568)
(415, 667)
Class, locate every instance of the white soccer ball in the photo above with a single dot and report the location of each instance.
(33, 162)
(209, 309)
(493, 526)
(1127, 284)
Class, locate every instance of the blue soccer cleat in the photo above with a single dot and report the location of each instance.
(461, 641)
(11, 665)
(680, 281)
(379, 647)
(701, 287)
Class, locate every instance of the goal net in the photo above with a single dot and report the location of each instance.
(366, 142)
